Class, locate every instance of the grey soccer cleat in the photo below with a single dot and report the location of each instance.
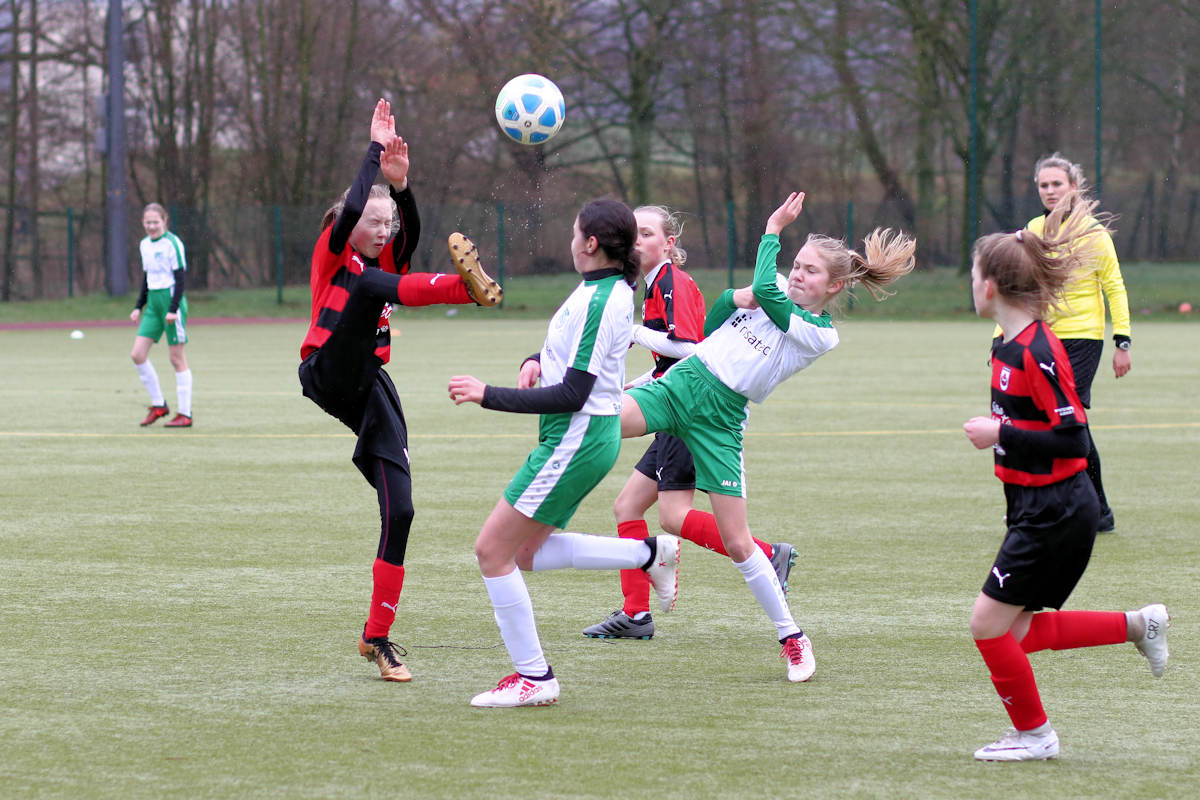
(620, 625)
(782, 561)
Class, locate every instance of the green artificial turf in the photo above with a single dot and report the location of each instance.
(179, 608)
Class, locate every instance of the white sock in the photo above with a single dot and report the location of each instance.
(586, 551)
(183, 392)
(149, 378)
(764, 585)
(514, 615)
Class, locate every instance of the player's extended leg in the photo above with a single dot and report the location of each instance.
(992, 626)
(1067, 630)
(503, 535)
(760, 577)
(393, 487)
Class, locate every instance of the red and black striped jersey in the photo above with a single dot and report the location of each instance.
(1033, 389)
(336, 265)
(673, 304)
(333, 276)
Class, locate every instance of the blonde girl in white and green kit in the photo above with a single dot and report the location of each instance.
(756, 338)
(162, 308)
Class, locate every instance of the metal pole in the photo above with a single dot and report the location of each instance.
(1098, 69)
(973, 122)
(278, 255)
(70, 251)
(118, 260)
(731, 236)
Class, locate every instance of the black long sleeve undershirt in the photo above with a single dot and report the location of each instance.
(561, 398)
(177, 294)
(1057, 442)
(144, 294)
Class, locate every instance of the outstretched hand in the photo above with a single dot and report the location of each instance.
(786, 214)
(393, 163)
(466, 389)
(383, 124)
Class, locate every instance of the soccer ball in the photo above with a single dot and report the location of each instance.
(530, 109)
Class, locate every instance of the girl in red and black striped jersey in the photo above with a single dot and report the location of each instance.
(672, 324)
(360, 267)
(1038, 432)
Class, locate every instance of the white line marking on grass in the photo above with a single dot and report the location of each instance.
(749, 434)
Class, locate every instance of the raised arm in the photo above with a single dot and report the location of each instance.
(383, 132)
(766, 290)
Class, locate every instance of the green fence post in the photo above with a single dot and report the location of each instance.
(731, 235)
(278, 254)
(70, 252)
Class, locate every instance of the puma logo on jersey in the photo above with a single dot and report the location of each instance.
(1000, 578)
(1048, 368)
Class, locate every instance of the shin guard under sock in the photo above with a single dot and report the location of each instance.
(385, 596)
(1067, 630)
(1012, 676)
(635, 584)
(700, 527)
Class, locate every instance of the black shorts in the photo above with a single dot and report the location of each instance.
(373, 413)
(1051, 530)
(1084, 355)
(668, 462)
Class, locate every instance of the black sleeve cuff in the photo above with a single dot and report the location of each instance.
(1118, 338)
(561, 398)
(1057, 443)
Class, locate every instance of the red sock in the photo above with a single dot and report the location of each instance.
(388, 578)
(432, 288)
(701, 527)
(1013, 678)
(635, 584)
(1066, 630)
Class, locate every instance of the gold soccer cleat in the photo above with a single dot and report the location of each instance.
(464, 254)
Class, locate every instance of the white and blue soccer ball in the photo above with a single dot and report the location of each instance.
(530, 109)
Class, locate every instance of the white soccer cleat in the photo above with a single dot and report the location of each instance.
(664, 571)
(1153, 644)
(517, 690)
(1020, 746)
(799, 654)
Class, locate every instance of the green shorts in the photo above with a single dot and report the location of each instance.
(574, 453)
(690, 402)
(154, 318)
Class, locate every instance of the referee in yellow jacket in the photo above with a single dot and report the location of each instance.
(1080, 321)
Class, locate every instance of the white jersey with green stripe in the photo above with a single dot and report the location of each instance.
(591, 331)
(160, 258)
(754, 350)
